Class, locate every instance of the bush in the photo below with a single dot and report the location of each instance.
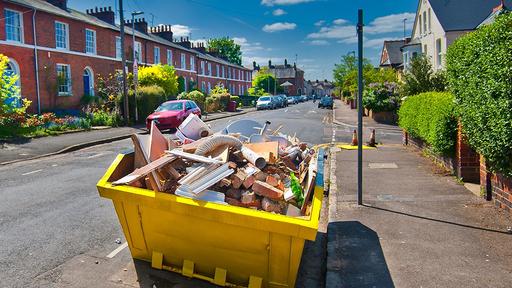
(431, 116)
(421, 78)
(381, 97)
(212, 104)
(103, 118)
(160, 75)
(148, 99)
(196, 96)
(479, 68)
(237, 100)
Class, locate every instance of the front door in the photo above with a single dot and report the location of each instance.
(87, 82)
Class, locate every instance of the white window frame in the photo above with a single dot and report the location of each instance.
(183, 61)
(201, 72)
(425, 22)
(94, 41)
(66, 25)
(209, 87)
(223, 71)
(203, 86)
(119, 52)
(138, 51)
(421, 24)
(439, 50)
(21, 28)
(16, 70)
(429, 20)
(217, 69)
(69, 91)
(209, 68)
(156, 55)
(169, 57)
(192, 63)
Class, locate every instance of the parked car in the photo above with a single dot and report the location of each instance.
(291, 100)
(278, 103)
(170, 114)
(304, 98)
(299, 99)
(265, 102)
(326, 102)
(282, 100)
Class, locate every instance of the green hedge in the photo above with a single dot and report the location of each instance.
(148, 99)
(479, 68)
(431, 116)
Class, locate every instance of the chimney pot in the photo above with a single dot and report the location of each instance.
(96, 9)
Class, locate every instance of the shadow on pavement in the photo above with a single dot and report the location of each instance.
(359, 260)
(438, 220)
(312, 265)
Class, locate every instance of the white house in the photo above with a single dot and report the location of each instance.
(439, 23)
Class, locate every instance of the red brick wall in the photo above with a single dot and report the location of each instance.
(467, 159)
(497, 187)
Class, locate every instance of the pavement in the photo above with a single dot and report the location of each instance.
(418, 226)
(32, 148)
(58, 232)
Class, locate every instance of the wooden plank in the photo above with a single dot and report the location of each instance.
(145, 170)
(157, 143)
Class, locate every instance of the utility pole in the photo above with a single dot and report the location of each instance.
(123, 63)
(360, 108)
(135, 65)
(405, 20)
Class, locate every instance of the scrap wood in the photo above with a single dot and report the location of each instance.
(268, 150)
(310, 184)
(193, 157)
(191, 147)
(141, 158)
(145, 170)
(157, 143)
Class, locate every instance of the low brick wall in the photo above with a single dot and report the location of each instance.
(386, 117)
(467, 159)
(496, 187)
(447, 162)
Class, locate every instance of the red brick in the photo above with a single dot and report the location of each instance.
(265, 190)
(270, 205)
(272, 180)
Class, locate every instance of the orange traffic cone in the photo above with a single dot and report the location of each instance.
(372, 142)
(354, 138)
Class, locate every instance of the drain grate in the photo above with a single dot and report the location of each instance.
(391, 165)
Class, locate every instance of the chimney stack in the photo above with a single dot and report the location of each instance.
(286, 63)
(184, 42)
(140, 25)
(104, 14)
(199, 47)
(269, 64)
(163, 31)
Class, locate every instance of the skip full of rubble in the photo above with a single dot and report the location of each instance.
(246, 165)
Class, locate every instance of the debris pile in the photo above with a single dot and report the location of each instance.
(246, 165)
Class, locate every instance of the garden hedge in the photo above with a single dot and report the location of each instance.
(479, 68)
(430, 116)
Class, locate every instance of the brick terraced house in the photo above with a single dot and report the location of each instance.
(58, 52)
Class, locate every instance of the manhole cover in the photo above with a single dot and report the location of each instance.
(382, 165)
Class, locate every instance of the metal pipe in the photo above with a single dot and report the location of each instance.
(360, 108)
(123, 64)
(36, 62)
(134, 67)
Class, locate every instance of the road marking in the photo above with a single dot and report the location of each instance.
(94, 156)
(32, 172)
(117, 250)
(286, 110)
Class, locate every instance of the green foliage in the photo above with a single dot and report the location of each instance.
(161, 75)
(431, 116)
(380, 97)
(103, 118)
(196, 96)
(479, 68)
(296, 189)
(237, 100)
(264, 84)
(148, 99)
(227, 48)
(181, 84)
(422, 78)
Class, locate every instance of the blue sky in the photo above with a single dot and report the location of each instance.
(317, 32)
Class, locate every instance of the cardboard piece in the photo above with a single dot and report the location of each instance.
(157, 143)
(268, 150)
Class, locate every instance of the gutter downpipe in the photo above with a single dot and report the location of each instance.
(36, 62)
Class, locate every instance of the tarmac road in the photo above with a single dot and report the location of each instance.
(55, 227)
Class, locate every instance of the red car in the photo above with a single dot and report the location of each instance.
(170, 114)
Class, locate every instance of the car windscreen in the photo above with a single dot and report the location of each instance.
(170, 106)
(264, 99)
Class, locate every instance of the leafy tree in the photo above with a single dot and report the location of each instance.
(160, 75)
(226, 47)
(345, 74)
(10, 98)
(422, 78)
(265, 82)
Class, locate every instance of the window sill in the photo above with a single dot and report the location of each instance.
(14, 41)
(63, 49)
(61, 94)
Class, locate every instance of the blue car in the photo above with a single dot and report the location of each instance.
(326, 102)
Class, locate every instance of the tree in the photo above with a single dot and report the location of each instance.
(10, 98)
(265, 82)
(226, 47)
(160, 75)
(345, 73)
(422, 78)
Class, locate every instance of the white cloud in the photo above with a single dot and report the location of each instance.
(246, 46)
(377, 42)
(279, 26)
(278, 12)
(319, 23)
(180, 30)
(319, 42)
(334, 32)
(390, 23)
(283, 2)
(339, 22)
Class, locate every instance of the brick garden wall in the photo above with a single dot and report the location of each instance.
(496, 187)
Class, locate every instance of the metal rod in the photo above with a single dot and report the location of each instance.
(123, 64)
(360, 108)
(135, 63)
